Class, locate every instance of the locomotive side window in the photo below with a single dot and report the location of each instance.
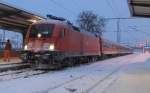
(42, 30)
(62, 33)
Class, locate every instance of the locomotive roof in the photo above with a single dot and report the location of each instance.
(50, 21)
(58, 22)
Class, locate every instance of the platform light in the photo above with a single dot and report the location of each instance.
(40, 18)
(33, 20)
(39, 35)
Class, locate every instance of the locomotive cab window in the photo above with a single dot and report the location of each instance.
(41, 30)
(62, 33)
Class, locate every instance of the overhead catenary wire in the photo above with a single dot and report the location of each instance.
(118, 10)
(76, 4)
(64, 8)
(111, 7)
(147, 33)
(118, 21)
(128, 32)
(135, 38)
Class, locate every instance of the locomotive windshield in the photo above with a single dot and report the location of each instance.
(41, 30)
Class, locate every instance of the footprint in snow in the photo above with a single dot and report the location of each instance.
(71, 89)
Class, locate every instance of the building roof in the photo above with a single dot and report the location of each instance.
(139, 8)
(16, 19)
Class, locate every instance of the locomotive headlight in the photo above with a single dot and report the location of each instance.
(25, 47)
(48, 46)
(51, 47)
(28, 46)
(39, 35)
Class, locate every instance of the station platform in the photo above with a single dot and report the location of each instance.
(14, 64)
(14, 57)
(13, 60)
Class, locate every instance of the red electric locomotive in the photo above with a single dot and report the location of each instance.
(55, 43)
(58, 43)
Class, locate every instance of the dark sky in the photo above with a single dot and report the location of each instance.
(69, 9)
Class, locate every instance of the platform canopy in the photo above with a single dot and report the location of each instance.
(139, 8)
(16, 19)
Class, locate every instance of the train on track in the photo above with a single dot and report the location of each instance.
(56, 43)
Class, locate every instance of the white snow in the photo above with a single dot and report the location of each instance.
(126, 74)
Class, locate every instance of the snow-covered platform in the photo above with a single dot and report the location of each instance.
(126, 74)
(13, 64)
(13, 60)
(134, 77)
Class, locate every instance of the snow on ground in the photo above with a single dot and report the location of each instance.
(134, 78)
(126, 74)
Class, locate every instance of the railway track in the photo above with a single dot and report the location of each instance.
(101, 80)
(13, 66)
(81, 77)
(105, 78)
(28, 72)
(24, 73)
(17, 70)
(70, 81)
(65, 83)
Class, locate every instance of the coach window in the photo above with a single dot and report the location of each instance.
(62, 33)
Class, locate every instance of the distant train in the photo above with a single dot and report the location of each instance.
(55, 43)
